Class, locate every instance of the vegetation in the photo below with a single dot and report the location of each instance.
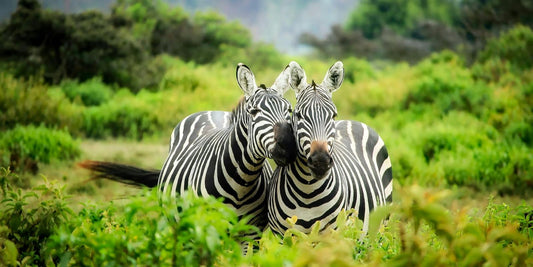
(198, 231)
(459, 129)
(26, 146)
(410, 30)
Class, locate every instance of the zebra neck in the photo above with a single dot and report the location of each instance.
(239, 161)
(301, 174)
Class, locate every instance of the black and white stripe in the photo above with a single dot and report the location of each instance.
(223, 154)
(341, 165)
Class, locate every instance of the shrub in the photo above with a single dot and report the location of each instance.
(124, 116)
(39, 144)
(26, 102)
(357, 69)
(514, 47)
(510, 109)
(28, 219)
(192, 231)
(91, 92)
(259, 56)
(181, 77)
(446, 83)
(420, 231)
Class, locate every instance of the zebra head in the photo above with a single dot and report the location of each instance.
(313, 119)
(269, 132)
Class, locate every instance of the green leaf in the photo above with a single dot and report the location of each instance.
(376, 218)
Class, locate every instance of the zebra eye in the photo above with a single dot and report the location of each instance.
(253, 111)
(298, 115)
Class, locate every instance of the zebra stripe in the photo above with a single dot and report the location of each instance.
(340, 165)
(222, 154)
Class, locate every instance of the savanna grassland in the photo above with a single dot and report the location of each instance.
(459, 131)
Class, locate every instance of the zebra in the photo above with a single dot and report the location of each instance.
(341, 165)
(223, 154)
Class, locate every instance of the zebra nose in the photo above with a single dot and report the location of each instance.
(319, 163)
(284, 151)
(319, 160)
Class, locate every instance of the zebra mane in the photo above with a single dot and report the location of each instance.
(313, 85)
(238, 109)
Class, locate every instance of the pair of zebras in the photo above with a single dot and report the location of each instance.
(324, 166)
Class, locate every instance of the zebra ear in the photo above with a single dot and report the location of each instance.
(281, 85)
(246, 79)
(334, 77)
(297, 77)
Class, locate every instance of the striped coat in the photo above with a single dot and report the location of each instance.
(340, 165)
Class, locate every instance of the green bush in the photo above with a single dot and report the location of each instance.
(39, 143)
(259, 56)
(124, 116)
(91, 92)
(514, 47)
(192, 231)
(357, 69)
(28, 219)
(27, 102)
(443, 80)
(420, 231)
(510, 109)
(181, 77)
(38, 228)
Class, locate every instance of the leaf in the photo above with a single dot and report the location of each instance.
(315, 229)
(10, 252)
(376, 217)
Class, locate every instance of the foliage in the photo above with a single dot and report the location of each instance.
(27, 102)
(400, 16)
(444, 81)
(259, 55)
(484, 19)
(192, 231)
(410, 30)
(91, 92)
(165, 29)
(38, 144)
(420, 231)
(514, 47)
(121, 48)
(78, 46)
(422, 227)
(28, 219)
(125, 116)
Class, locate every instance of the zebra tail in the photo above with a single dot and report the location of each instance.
(122, 173)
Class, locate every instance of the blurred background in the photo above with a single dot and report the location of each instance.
(98, 71)
(415, 71)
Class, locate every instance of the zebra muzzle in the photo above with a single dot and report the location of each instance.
(319, 160)
(284, 151)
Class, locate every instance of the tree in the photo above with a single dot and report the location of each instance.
(78, 46)
(409, 30)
